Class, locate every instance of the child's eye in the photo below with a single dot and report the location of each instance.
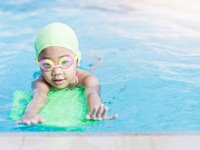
(65, 63)
(46, 65)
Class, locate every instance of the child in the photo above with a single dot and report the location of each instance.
(58, 55)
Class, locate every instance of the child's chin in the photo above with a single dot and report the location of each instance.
(60, 86)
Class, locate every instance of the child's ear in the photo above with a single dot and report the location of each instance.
(77, 63)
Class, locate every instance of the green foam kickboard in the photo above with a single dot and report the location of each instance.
(65, 108)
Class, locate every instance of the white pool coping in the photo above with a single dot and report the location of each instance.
(99, 141)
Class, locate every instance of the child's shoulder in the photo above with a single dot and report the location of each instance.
(81, 74)
(82, 71)
(40, 83)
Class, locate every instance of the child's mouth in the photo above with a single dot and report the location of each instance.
(58, 81)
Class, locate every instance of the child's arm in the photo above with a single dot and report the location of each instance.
(31, 115)
(97, 110)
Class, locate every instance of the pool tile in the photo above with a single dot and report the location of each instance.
(95, 143)
(10, 142)
(135, 143)
(47, 143)
(87, 142)
(176, 142)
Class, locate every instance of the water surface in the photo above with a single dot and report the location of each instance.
(145, 53)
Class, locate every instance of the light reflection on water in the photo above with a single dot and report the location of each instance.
(145, 53)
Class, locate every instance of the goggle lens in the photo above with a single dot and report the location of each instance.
(64, 62)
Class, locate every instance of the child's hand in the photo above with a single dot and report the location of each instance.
(31, 119)
(99, 112)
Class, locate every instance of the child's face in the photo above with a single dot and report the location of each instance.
(58, 66)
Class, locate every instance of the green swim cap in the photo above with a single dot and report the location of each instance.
(57, 34)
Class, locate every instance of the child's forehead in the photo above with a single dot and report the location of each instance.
(56, 52)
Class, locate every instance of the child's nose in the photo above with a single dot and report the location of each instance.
(57, 71)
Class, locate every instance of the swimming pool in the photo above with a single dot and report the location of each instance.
(145, 53)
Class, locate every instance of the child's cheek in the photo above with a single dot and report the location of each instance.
(70, 73)
(47, 76)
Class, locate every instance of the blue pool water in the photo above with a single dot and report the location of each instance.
(145, 53)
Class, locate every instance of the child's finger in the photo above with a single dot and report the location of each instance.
(28, 122)
(111, 117)
(88, 116)
(94, 111)
(33, 121)
(40, 119)
(100, 111)
(105, 110)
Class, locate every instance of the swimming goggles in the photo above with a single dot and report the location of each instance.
(64, 62)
